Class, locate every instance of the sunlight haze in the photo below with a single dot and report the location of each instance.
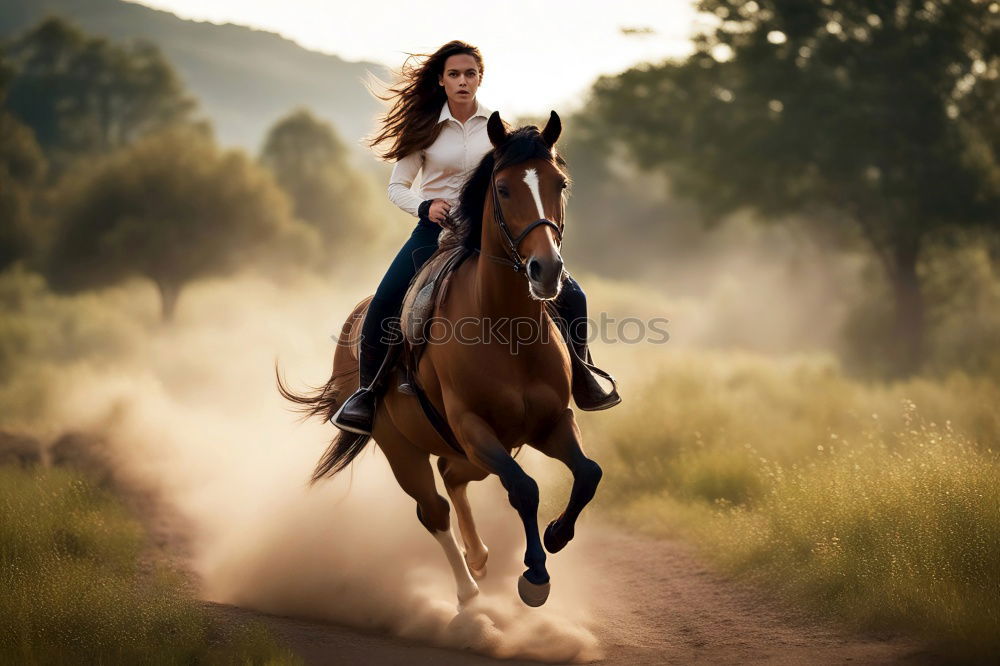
(538, 56)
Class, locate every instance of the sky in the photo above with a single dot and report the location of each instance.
(539, 55)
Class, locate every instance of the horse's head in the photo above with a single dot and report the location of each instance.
(528, 180)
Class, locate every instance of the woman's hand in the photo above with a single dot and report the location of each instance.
(439, 210)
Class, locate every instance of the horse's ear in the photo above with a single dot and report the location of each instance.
(496, 129)
(552, 129)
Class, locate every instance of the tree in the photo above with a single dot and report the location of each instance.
(880, 114)
(172, 207)
(312, 165)
(83, 95)
(22, 170)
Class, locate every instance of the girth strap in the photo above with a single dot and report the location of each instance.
(434, 416)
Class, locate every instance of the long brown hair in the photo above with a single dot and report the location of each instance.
(412, 121)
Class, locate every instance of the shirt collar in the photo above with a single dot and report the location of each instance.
(481, 110)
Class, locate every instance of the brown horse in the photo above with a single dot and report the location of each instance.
(496, 388)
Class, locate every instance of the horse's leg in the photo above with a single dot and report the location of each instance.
(486, 451)
(456, 475)
(412, 468)
(563, 443)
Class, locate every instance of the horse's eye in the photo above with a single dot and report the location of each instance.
(502, 191)
(564, 184)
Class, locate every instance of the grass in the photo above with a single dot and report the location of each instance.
(875, 503)
(74, 588)
(841, 495)
(903, 537)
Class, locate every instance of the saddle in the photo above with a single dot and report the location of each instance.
(427, 291)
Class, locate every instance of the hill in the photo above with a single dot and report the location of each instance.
(244, 78)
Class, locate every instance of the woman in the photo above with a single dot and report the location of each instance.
(438, 125)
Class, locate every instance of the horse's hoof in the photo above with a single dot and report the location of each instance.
(554, 543)
(531, 594)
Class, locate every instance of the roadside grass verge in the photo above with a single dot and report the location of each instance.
(74, 588)
(840, 495)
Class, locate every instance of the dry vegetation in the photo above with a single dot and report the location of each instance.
(877, 504)
(70, 568)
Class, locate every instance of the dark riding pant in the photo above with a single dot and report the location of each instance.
(381, 322)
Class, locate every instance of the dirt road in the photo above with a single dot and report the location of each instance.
(647, 601)
(659, 606)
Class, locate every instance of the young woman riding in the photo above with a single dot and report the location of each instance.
(437, 125)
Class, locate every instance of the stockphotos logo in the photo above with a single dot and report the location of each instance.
(517, 332)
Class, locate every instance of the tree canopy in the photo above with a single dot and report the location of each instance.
(22, 169)
(312, 165)
(172, 207)
(82, 94)
(881, 114)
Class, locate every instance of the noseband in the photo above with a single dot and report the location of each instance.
(513, 258)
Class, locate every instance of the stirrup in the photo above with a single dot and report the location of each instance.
(610, 398)
(358, 395)
(405, 385)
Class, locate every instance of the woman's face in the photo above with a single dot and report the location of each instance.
(461, 77)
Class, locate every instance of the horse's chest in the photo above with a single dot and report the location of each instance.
(516, 411)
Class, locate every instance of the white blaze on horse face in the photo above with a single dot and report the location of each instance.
(467, 587)
(531, 178)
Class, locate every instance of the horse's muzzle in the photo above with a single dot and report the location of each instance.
(545, 277)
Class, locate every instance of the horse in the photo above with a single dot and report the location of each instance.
(493, 396)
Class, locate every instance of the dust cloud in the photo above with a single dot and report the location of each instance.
(194, 414)
(191, 410)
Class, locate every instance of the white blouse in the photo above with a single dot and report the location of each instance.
(447, 163)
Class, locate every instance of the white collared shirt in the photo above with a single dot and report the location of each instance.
(447, 163)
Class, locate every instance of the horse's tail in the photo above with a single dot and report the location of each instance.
(323, 401)
(344, 448)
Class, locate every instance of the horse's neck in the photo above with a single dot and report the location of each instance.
(500, 292)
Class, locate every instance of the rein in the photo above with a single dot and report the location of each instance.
(513, 258)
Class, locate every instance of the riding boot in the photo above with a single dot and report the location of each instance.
(589, 394)
(357, 414)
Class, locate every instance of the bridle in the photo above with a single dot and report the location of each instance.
(513, 258)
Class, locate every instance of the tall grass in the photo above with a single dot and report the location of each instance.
(74, 589)
(842, 495)
(906, 536)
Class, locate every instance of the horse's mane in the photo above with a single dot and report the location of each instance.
(522, 144)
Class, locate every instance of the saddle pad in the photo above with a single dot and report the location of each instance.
(427, 288)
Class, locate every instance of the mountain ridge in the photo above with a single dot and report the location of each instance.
(244, 78)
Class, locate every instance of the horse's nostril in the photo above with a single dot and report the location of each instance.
(534, 269)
